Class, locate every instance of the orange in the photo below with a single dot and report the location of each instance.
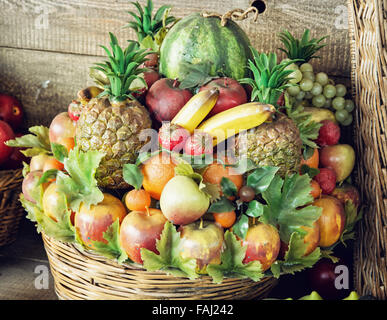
(52, 163)
(137, 200)
(69, 143)
(225, 219)
(313, 161)
(216, 171)
(316, 189)
(157, 171)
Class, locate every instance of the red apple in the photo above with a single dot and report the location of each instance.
(6, 133)
(152, 60)
(165, 99)
(199, 143)
(231, 94)
(11, 111)
(203, 241)
(263, 244)
(331, 221)
(340, 158)
(91, 223)
(172, 136)
(141, 230)
(61, 127)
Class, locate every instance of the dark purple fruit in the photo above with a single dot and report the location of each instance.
(246, 194)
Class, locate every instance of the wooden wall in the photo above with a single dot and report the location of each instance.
(47, 46)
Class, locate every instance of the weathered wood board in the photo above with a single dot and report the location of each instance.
(56, 41)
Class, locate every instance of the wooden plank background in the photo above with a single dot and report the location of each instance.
(47, 46)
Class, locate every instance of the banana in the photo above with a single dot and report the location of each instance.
(196, 109)
(85, 95)
(232, 121)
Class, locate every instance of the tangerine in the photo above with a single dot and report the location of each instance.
(157, 171)
(225, 219)
(216, 171)
(137, 200)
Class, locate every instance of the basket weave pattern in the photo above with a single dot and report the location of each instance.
(83, 275)
(11, 210)
(368, 26)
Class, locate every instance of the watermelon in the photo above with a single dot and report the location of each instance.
(199, 40)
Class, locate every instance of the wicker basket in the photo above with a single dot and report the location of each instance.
(83, 275)
(11, 211)
(368, 26)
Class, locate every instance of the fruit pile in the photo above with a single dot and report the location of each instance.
(190, 156)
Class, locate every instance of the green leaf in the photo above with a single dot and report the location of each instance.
(295, 259)
(311, 172)
(194, 75)
(169, 258)
(37, 141)
(243, 165)
(47, 176)
(288, 205)
(133, 176)
(61, 230)
(59, 151)
(232, 262)
(261, 178)
(80, 184)
(255, 209)
(229, 189)
(241, 226)
(112, 248)
(222, 205)
(352, 217)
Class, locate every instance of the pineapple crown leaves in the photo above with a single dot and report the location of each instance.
(303, 49)
(270, 78)
(122, 68)
(144, 24)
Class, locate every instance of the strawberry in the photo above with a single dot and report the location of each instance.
(74, 110)
(326, 179)
(172, 136)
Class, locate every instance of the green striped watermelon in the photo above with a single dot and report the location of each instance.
(199, 40)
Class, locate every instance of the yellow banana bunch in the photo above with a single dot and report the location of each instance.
(196, 109)
(232, 121)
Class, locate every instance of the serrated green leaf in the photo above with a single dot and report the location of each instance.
(232, 262)
(79, 184)
(169, 258)
(112, 249)
(288, 205)
(59, 151)
(37, 141)
(241, 226)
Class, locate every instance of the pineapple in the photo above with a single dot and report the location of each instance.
(112, 121)
(276, 143)
(303, 49)
(145, 25)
